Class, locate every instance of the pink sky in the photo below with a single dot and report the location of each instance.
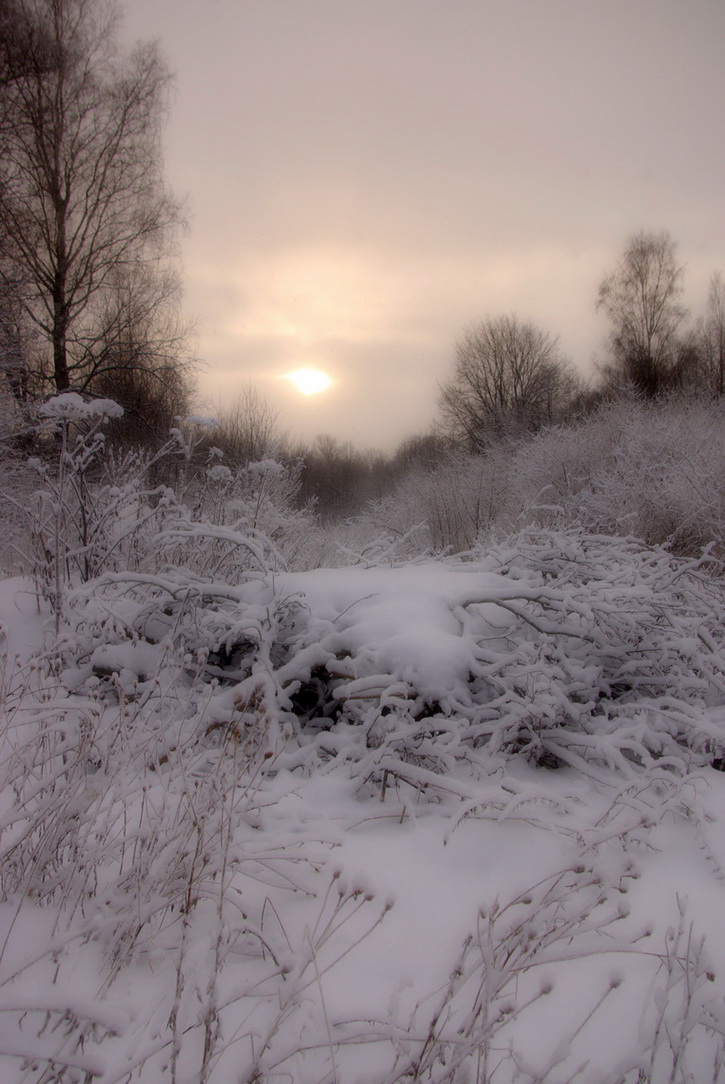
(366, 177)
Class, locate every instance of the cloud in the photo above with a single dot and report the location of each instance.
(365, 178)
(383, 324)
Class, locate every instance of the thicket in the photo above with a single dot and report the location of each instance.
(647, 470)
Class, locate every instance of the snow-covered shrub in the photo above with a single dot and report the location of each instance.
(547, 977)
(132, 840)
(155, 843)
(496, 985)
(234, 521)
(94, 510)
(65, 515)
(163, 918)
(654, 471)
(130, 627)
(450, 508)
(561, 648)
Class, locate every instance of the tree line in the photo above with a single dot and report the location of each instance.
(510, 377)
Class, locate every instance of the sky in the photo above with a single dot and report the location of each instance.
(365, 178)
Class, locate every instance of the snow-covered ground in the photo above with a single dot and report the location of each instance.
(455, 821)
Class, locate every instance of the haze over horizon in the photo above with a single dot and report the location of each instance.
(366, 177)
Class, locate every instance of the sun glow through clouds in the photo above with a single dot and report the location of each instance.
(309, 381)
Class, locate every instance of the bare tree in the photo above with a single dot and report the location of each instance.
(83, 206)
(23, 46)
(421, 452)
(509, 377)
(642, 299)
(712, 336)
(248, 429)
(137, 353)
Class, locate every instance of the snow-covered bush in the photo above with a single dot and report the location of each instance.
(449, 508)
(231, 521)
(94, 510)
(66, 518)
(131, 839)
(563, 649)
(558, 648)
(216, 734)
(655, 471)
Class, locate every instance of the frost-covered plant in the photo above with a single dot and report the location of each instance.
(142, 762)
(131, 626)
(96, 511)
(654, 471)
(238, 521)
(566, 649)
(450, 508)
(91, 507)
(684, 1006)
(485, 1024)
(194, 682)
(503, 972)
(591, 652)
(132, 825)
(64, 518)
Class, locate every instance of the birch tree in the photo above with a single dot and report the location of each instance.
(713, 335)
(83, 205)
(642, 298)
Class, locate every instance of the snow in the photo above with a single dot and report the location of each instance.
(22, 618)
(491, 849)
(402, 618)
(70, 406)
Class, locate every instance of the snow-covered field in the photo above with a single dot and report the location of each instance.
(458, 820)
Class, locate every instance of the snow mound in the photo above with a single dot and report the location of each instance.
(561, 649)
(402, 621)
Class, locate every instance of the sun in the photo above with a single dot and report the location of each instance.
(309, 381)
